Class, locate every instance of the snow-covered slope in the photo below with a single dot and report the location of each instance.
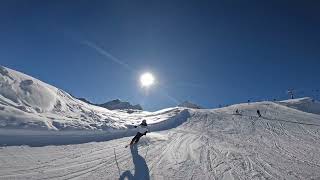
(211, 144)
(28, 103)
(306, 104)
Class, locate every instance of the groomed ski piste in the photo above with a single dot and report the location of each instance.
(45, 133)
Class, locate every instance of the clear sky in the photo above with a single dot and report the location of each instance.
(209, 52)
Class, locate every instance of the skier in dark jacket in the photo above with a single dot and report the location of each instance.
(142, 130)
(258, 112)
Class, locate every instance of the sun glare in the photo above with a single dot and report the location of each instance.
(146, 79)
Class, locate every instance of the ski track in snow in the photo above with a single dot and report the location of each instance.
(211, 144)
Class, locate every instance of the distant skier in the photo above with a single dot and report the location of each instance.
(258, 112)
(237, 111)
(143, 129)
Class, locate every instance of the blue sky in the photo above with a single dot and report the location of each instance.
(208, 52)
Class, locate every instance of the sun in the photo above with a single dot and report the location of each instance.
(146, 79)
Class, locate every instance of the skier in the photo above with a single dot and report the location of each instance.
(142, 130)
(258, 112)
(237, 111)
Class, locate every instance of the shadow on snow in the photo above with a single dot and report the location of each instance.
(141, 169)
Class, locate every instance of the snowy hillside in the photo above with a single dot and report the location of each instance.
(304, 104)
(28, 103)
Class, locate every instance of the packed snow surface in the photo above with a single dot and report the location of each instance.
(184, 144)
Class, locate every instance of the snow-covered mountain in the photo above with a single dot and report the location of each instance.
(118, 104)
(115, 104)
(28, 103)
(189, 104)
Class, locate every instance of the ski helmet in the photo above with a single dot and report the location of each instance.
(144, 121)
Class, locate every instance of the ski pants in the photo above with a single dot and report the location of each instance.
(136, 138)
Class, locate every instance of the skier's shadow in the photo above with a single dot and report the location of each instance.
(141, 170)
